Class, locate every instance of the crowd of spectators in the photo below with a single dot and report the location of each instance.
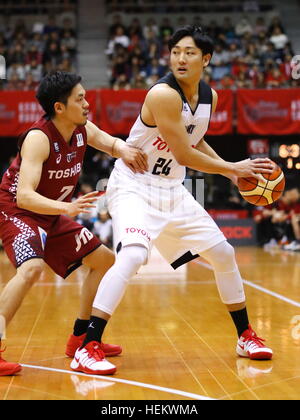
(246, 55)
(31, 52)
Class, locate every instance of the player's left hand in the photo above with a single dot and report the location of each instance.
(134, 158)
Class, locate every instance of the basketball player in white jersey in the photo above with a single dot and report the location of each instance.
(155, 208)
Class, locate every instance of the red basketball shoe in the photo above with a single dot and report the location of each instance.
(75, 342)
(249, 345)
(7, 368)
(91, 359)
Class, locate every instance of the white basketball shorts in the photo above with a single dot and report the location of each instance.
(148, 212)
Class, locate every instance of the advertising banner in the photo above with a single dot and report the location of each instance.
(266, 112)
(241, 232)
(259, 112)
(222, 119)
(20, 109)
(119, 109)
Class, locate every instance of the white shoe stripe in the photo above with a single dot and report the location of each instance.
(252, 347)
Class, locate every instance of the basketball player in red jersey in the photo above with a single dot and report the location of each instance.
(154, 207)
(36, 210)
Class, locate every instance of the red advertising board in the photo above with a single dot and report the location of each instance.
(221, 119)
(262, 112)
(266, 112)
(20, 109)
(119, 109)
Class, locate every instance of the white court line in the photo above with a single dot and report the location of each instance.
(256, 286)
(123, 381)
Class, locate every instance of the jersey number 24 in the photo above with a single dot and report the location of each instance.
(162, 167)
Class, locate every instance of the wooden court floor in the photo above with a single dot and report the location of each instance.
(178, 339)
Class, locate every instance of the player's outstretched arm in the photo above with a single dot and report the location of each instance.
(35, 151)
(117, 148)
(165, 104)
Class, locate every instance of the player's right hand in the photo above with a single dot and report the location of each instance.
(253, 168)
(134, 158)
(83, 204)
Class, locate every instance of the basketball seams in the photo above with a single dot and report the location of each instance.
(249, 182)
(275, 192)
(265, 188)
(259, 198)
(268, 189)
(263, 194)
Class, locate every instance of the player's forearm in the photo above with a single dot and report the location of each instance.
(206, 149)
(209, 151)
(203, 162)
(111, 145)
(35, 202)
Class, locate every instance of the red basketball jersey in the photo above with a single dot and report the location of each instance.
(60, 171)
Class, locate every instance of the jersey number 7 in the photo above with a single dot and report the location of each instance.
(65, 192)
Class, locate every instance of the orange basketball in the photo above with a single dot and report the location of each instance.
(263, 193)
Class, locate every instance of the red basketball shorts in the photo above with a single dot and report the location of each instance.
(60, 241)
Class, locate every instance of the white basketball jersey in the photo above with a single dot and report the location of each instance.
(161, 161)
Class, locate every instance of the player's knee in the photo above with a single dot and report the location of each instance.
(222, 257)
(227, 252)
(31, 271)
(136, 254)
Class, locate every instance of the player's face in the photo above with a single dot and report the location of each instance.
(187, 61)
(77, 107)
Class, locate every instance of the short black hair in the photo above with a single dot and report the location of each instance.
(56, 87)
(201, 39)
